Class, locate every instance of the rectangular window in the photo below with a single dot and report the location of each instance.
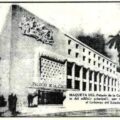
(98, 64)
(108, 88)
(115, 82)
(98, 58)
(69, 83)
(90, 86)
(95, 76)
(105, 79)
(95, 87)
(83, 58)
(90, 75)
(84, 73)
(84, 86)
(99, 87)
(77, 71)
(77, 84)
(108, 80)
(103, 60)
(69, 68)
(77, 45)
(100, 77)
(69, 41)
(89, 53)
(104, 88)
(103, 67)
(94, 63)
(89, 60)
(69, 51)
(83, 49)
(94, 55)
(112, 89)
(112, 81)
(76, 55)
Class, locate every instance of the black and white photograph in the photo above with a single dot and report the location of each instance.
(60, 59)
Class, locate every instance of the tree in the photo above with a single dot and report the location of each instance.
(115, 41)
(95, 41)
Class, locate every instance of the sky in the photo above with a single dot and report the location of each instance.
(74, 18)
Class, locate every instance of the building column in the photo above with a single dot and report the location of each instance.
(105, 82)
(102, 82)
(118, 82)
(81, 78)
(98, 79)
(73, 76)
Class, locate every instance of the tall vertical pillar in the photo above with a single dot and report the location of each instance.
(98, 79)
(102, 83)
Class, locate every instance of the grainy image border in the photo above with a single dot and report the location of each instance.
(52, 2)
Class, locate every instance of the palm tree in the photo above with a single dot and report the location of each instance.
(115, 41)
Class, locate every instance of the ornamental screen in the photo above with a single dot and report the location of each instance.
(52, 73)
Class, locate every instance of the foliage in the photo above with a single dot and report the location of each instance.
(115, 41)
(96, 41)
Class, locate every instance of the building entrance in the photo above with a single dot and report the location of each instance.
(50, 97)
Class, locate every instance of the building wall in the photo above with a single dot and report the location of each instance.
(5, 44)
(89, 59)
(24, 49)
(102, 64)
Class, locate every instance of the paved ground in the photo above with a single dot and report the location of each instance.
(54, 111)
(92, 113)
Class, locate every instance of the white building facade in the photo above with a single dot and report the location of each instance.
(39, 59)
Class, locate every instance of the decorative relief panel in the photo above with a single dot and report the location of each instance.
(30, 27)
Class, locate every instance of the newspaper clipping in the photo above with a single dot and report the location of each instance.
(59, 59)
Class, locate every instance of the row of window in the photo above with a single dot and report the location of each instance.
(89, 53)
(84, 86)
(98, 65)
